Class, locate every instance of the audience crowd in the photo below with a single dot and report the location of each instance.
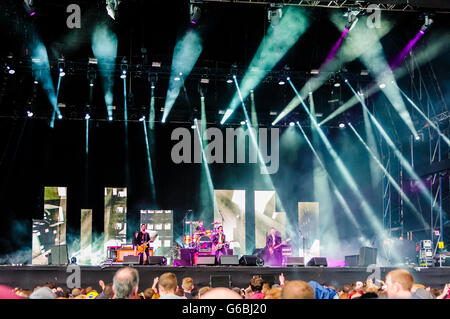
(398, 284)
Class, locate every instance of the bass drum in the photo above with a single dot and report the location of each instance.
(204, 242)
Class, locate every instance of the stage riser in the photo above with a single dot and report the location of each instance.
(31, 276)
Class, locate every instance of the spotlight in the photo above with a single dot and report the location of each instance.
(281, 82)
(61, 72)
(10, 70)
(110, 118)
(29, 7)
(337, 84)
(30, 114)
(87, 117)
(382, 85)
(274, 14)
(314, 71)
(91, 75)
(291, 124)
(152, 78)
(142, 119)
(195, 11)
(428, 22)
(178, 77)
(60, 116)
(341, 125)
(36, 82)
(112, 7)
(193, 126)
(242, 122)
(124, 74)
(352, 18)
(229, 79)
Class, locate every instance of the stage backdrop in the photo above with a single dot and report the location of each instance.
(159, 222)
(267, 217)
(51, 230)
(229, 205)
(308, 223)
(115, 217)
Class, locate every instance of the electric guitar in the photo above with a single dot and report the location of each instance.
(271, 249)
(219, 246)
(143, 247)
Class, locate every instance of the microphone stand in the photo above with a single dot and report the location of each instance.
(304, 249)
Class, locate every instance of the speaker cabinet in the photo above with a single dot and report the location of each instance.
(318, 261)
(352, 260)
(367, 256)
(206, 260)
(229, 260)
(131, 260)
(295, 261)
(220, 281)
(248, 260)
(157, 260)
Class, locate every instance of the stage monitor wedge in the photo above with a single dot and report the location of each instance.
(206, 260)
(295, 261)
(131, 260)
(229, 260)
(317, 262)
(157, 260)
(248, 260)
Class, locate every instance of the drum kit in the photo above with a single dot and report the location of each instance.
(200, 239)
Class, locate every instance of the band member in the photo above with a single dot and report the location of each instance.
(200, 228)
(273, 254)
(219, 243)
(143, 238)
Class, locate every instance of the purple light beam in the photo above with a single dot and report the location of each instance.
(402, 55)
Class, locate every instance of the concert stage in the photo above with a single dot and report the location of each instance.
(31, 276)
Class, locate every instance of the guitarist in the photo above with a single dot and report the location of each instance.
(273, 254)
(143, 238)
(219, 243)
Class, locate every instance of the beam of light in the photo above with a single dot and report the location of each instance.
(253, 112)
(185, 55)
(403, 161)
(336, 191)
(41, 69)
(367, 210)
(439, 45)
(391, 179)
(402, 55)
(150, 167)
(348, 53)
(152, 114)
(274, 46)
(104, 47)
(375, 61)
(87, 136)
(203, 120)
(433, 125)
(209, 196)
(374, 172)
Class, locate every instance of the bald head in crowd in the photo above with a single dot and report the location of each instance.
(126, 283)
(399, 283)
(297, 289)
(220, 293)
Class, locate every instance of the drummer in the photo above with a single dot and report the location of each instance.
(200, 228)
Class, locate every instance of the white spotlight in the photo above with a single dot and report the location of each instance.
(382, 85)
(142, 119)
(341, 125)
(60, 116)
(61, 72)
(30, 114)
(291, 124)
(242, 122)
(87, 117)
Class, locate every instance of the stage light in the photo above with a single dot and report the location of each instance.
(110, 118)
(87, 117)
(281, 82)
(229, 79)
(30, 114)
(142, 118)
(242, 122)
(93, 61)
(382, 85)
(193, 127)
(291, 124)
(153, 78)
(29, 7)
(275, 13)
(428, 22)
(337, 84)
(36, 82)
(124, 74)
(314, 71)
(417, 138)
(112, 8)
(352, 18)
(60, 116)
(341, 125)
(10, 70)
(61, 72)
(195, 11)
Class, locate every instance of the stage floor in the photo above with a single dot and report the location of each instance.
(30, 276)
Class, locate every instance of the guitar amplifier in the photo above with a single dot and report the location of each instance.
(131, 260)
